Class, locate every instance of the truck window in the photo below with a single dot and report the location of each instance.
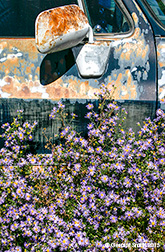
(17, 17)
(105, 16)
(158, 9)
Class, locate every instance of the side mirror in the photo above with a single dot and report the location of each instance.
(61, 28)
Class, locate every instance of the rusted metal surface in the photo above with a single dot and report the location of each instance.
(19, 69)
(130, 67)
(91, 59)
(161, 67)
(132, 76)
(20, 75)
(60, 28)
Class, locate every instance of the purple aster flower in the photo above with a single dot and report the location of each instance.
(74, 173)
(90, 126)
(77, 224)
(161, 161)
(102, 138)
(27, 196)
(162, 223)
(59, 202)
(33, 160)
(115, 235)
(95, 115)
(111, 106)
(60, 105)
(119, 166)
(98, 244)
(89, 188)
(98, 149)
(91, 170)
(28, 232)
(14, 226)
(152, 222)
(17, 249)
(90, 149)
(86, 213)
(19, 191)
(138, 213)
(83, 142)
(127, 183)
(32, 211)
(120, 142)
(108, 201)
(64, 242)
(21, 135)
(30, 137)
(104, 178)
(129, 214)
(90, 106)
(36, 229)
(104, 128)
(127, 148)
(77, 167)
(113, 218)
(160, 112)
(74, 115)
(102, 195)
(88, 115)
(29, 219)
(92, 206)
(81, 241)
(160, 213)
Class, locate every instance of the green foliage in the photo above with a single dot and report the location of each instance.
(94, 194)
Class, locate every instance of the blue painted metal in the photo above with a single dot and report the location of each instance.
(135, 65)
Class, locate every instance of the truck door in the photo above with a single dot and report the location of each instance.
(131, 62)
(155, 12)
(123, 54)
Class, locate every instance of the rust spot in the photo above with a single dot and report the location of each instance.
(137, 33)
(119, 78)
(135, 18)
(145, 51)
(28, 70)
(8, 79)
(3, 45)
(7, 71)
(57, 22)
(61, 20)
(161, 64)
(26, 90)
(84, 88)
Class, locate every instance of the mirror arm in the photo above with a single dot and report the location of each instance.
(90, 35)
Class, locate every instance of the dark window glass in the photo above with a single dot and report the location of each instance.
(17, 17)
(158, 8)
(105, 16)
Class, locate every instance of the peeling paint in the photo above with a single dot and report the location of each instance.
(60, 28)
(128, 68)
(132, 53)
(161, 67)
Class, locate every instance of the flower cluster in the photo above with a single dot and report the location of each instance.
(17, 136)
(89, 193)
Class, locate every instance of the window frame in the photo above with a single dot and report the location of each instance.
(128, 17)
(32, 36)
(152, 13)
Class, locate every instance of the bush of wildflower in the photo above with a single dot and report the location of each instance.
(103, 193)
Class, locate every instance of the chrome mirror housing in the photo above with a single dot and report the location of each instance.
(61, 28)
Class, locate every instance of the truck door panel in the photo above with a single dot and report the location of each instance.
(131, 66)
(160, 42)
